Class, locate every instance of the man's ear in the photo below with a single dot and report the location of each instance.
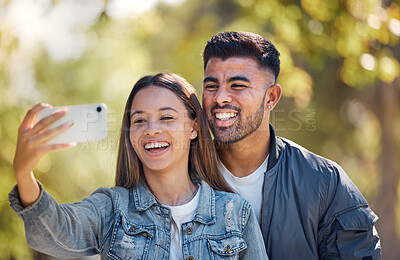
(272, 97)
(194, 133)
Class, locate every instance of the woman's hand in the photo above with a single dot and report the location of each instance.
(31, 146)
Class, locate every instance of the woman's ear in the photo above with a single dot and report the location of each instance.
(194, 133)
(273, 95)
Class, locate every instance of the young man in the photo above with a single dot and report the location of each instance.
(307, 207)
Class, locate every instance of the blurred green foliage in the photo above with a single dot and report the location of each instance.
(335, 56)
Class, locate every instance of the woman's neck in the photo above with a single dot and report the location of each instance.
(170, 188)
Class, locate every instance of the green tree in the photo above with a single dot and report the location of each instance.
(340, 79)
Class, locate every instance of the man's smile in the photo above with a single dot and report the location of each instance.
(225, 116)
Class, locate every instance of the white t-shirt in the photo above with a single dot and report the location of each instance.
(180, 215)
(249, 187)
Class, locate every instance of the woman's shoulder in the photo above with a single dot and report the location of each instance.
(113, 194)
(112, 191)
(230, 207)
(224, 196)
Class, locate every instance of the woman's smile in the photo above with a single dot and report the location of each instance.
(156, 148)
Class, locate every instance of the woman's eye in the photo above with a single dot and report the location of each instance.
(167, 118)
(138, 121)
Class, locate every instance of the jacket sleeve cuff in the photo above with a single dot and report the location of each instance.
(32, 211)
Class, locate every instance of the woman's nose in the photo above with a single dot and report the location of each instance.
(153, 128)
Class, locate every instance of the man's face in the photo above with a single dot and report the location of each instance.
(234, 94)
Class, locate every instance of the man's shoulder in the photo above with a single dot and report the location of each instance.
(318, 170)
(301, 156)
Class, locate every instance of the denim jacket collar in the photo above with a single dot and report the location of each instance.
(205, 212)
(143, 198)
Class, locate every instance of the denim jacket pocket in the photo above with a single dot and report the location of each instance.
(130, 240)
(227, 248)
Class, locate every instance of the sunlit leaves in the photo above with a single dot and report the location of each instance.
(299, 85)
(320, 10)
(389, 69)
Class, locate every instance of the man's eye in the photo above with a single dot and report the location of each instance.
(211, 87)
(238, 86)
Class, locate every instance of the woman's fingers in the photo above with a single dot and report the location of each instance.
(48, 134)
(30, 150)
(55, 147)
(29, 118)
(47, 121)
(33, 137)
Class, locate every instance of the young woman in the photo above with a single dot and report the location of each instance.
(169, 200)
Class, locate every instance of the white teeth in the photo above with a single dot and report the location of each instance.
(155, 145)
(225, 116)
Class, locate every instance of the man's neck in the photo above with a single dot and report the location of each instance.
(244, 157)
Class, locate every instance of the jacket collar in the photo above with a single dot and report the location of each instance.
(143, 198)
(275, 148)
(205, 212)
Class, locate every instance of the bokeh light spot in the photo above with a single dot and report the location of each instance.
(367, 61)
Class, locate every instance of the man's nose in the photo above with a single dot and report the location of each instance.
(222, 96)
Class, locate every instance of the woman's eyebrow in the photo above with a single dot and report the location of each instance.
(137, 112)
(161, 109)
(168, 108)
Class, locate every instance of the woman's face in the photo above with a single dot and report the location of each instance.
(161, 129)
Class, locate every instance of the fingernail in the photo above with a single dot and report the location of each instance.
(69, 124)
(60, 110)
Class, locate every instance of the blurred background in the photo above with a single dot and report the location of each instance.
(339, 73)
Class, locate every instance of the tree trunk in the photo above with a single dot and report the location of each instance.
(386, 202)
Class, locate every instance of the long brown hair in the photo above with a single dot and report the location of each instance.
(202, 153)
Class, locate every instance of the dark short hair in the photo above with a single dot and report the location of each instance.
(243, 44)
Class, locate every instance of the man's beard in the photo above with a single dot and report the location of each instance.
(241, 128)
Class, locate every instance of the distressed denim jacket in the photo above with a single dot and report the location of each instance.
(129, 224)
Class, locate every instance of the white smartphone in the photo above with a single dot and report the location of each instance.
(90, 123)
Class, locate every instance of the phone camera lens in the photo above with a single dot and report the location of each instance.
(98, 109)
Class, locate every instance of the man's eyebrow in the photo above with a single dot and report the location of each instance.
(241, 78)
(210, 79)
